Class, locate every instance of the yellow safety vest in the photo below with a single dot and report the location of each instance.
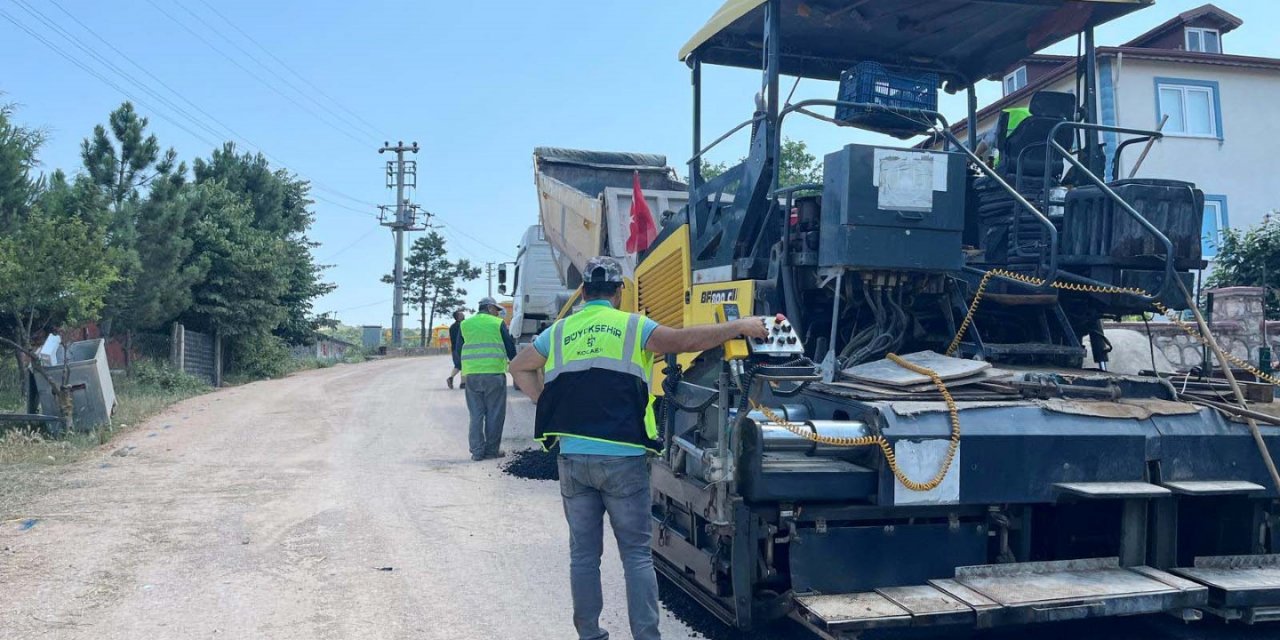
(483, 350)
(597, 381)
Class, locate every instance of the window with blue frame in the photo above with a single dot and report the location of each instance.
(1215, 223)
(1189, 108)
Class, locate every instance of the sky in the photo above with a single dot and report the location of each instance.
(319, 85)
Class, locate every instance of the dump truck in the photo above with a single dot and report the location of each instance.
(918, 444)
(585, 197)
(538, 285)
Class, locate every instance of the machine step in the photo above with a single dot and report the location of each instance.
(1240, 587)
(998, 595)
(1213, 487)
(1112, 490)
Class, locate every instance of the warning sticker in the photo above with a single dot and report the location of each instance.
(906, 180)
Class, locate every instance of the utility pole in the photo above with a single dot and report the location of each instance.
(488, 272)
(401, 217)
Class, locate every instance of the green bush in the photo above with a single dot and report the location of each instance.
(256, 357)
(162, 376)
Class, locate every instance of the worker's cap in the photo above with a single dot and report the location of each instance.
(602, 269)
(488, 302)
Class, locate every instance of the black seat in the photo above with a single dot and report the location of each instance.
(1048, 108)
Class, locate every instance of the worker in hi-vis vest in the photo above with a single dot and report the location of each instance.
(988, 144)
(593, 402)
(483, 352)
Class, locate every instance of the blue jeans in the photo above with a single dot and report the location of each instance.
(487, 404)
(618, 485)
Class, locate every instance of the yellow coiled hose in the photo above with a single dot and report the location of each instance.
(1192, 332)
(885, 447)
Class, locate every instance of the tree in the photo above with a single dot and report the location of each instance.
(54, 255)
(166, 268)
(797, 166)
(245, 272)
(277, 202)
(431, 282)
(18, 146)
(1250, 258)
(126, 160)
(146, 237)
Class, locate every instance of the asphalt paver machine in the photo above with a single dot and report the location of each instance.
(917, 443)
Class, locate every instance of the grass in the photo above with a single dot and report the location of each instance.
(29, 458)
(150, 390)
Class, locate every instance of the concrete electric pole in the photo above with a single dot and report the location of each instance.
(400, 217)
(488, 272)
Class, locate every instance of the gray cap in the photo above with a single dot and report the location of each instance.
(487, 302)
(602, 269)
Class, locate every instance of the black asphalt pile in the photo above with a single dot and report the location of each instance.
(705, 625)
(532, 464)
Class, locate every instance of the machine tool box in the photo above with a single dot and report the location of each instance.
(892, 209)
(1094, 226)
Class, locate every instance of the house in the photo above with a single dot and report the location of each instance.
(1217, 104)
(325, 347)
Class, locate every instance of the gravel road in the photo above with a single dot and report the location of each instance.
(269, 511)
(335, 504)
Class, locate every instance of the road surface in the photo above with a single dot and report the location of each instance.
(268, 511)
(334, 504)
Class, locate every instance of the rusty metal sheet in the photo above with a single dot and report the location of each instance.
(1029, 588)
(889, 373)
(1176, 582)
(1113, 490)
(841, 611)
(1128, 409)
(1238, 581)
(1213, 487)
(928, 604)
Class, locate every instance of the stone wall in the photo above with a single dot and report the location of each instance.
(1237, 322)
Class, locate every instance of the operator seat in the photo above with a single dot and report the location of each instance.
(1048, 108)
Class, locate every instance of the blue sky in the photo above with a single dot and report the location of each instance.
(478, 85)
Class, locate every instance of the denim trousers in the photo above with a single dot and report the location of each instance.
(487, 404)
(592, 486)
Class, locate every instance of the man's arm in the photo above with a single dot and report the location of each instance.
(509, 343)
(524, 370)
(703, 337)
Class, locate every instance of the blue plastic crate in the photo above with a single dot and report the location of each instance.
(872, 83)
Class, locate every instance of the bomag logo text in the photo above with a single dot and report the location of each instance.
(716, 296)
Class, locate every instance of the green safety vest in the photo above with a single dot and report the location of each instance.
(1016, 116)
(483, 350)
(596, 381)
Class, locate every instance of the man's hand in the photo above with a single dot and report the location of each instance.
(703, 337)
(753, 327)
(524, 370)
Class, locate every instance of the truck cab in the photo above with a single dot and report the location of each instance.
(538, 286)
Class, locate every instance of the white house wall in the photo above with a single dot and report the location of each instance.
(1238, 166)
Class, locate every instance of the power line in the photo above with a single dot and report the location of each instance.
(99, 76)
(339, 117)
(363, 306)
(353, 243)
(342, 206)
(478, 241)
(449, 236)
(253, 75)
(95, 55)
(343, 195)
(371, 127)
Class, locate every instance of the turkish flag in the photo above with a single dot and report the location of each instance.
(643, 230)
